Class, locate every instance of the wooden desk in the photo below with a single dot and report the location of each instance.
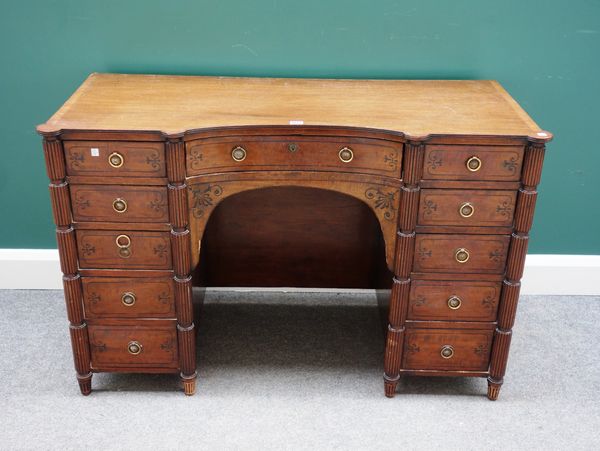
(162, 182)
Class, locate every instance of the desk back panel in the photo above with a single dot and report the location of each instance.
(292, 237)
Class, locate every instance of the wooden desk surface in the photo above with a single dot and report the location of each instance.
(175, 104)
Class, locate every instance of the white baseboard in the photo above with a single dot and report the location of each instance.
(39, 269)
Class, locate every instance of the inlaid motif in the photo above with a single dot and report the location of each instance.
(164, 298)
(161, 250)
(412, 348)
(391, 160)
(94, 298)
(153, 160)
(203, 198)
(383, 201)
(88, 249)
(497, 255)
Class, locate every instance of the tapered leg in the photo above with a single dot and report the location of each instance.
(493, 389)
(390, 386)
(85, 383)
(189, 384)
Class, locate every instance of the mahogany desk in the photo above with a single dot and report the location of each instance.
(162, 182)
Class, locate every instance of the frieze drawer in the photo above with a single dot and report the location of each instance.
(137, 344)
(115, 158)
(466, 207)
(500, 163)
(370, 156)
(126, 250)
(105, 297)
(461, 253)
(445, 349)
(119, 203)
(453, 301)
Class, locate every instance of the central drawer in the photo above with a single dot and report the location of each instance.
(370, 156)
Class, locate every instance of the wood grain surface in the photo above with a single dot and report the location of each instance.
(175, 104)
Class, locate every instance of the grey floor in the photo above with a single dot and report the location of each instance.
(300, 371)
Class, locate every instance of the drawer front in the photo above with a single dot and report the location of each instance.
(502, 163)
(136, 344)
(444, 349)
(119, 203)
(280, 153)
(466, 207)
(134, 250)
(453, 301)
(116, 158)
(461, 253)
(105, 297)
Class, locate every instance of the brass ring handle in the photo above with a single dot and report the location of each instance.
(134, 347)
(128, 299)
(119, 205)
(123, 241)
(466, 210)
(473, 164)
(454, 302)
(447, 352)
(462, 255)
(116, 160)
(238, 153)
(346, 155)
(292, 147)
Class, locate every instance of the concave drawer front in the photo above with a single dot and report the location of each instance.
(461, 253)
(119, 203)
(501, 163)
(128, 297)
(144, 343)
(444, 349)
(466, 207)
(280, 153)
(127, 250)
(116, 158)
(453, 301)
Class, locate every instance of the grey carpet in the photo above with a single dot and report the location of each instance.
(300, 371)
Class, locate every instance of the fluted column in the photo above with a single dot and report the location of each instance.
(181, 247)
(405, 244)
(530, 178)
(67, 250)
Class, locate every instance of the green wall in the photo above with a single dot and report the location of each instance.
(546, 54)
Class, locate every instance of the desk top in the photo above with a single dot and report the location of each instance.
(175, 104)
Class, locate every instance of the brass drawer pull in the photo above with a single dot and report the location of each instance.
(116, 160)
(462, 255)
(454, 302)
(466, 210)
(346, 154)
(447, 352)
(473, 164)
(134, 347)
(119, 205)
(128, 299)
(292, 147)
(123, 243)
(238, 153)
